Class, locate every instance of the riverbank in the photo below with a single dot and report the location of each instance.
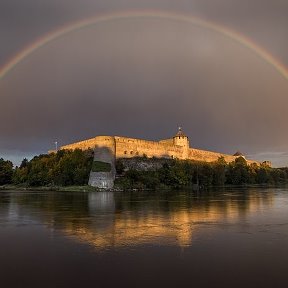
(70, 170)
(87, 188)
(84, 188)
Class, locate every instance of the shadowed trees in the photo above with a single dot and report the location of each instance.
(180, 173)
(63, 168)
(6, 171)
(67, 167)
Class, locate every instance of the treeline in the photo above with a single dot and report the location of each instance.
(184, 173)
(67, 167)
(6, 171)
(63, 168)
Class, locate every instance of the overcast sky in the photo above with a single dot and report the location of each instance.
(142, 77)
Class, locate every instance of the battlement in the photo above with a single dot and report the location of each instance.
(168, 148)
(176, 147)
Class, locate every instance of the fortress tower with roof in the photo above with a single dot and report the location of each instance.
(108, 148)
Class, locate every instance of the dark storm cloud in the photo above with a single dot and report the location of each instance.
(142, 79)
(265, 21)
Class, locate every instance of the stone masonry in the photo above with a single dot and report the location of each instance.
(109, 148)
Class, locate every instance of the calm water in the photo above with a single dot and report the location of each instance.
(231, 238)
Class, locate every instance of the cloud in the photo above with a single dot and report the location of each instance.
(143, 79)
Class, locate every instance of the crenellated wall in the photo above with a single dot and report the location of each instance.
(86, 144)
(108, 148)
(130, 147)
(209, 156)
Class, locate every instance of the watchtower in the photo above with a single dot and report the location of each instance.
(180, 139)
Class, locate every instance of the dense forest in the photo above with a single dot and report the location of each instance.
(66, 168)
(56, 169)
(185, 173)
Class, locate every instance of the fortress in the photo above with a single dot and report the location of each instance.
(108, 148)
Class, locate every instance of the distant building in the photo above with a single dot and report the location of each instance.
(238, 154)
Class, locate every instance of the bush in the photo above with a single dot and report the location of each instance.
(63, 168)
(99, 166)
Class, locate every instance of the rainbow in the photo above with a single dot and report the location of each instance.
(243, 40)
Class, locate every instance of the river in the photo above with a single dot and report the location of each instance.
(221, 238)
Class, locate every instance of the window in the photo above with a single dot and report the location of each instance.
(125, 152)
(131, 152)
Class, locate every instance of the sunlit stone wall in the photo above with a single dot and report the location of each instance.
(131, 147)
(108, 148)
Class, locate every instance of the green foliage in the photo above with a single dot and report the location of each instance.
(67, 168)
(6, 171)
(63, 168)
(181, 173)
(24, 163)
(119, 166)
(219, 171)
(99, 166)
(238, 172)
(139, 179)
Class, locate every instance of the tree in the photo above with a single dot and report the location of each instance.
(219, 169)
(62, 168)
(24, 163)
(262, 176)
(238, 172)
(205, 174)
(6, 171)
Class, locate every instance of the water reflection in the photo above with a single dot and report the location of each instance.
(107, 219)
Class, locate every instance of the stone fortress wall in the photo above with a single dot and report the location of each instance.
(105, 152)
(108, 148)
(131, 147)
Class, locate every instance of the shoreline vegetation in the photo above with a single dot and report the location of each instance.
(69, 170)
(87, 188)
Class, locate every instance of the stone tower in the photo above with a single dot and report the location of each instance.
(180, 139)
(103, 170)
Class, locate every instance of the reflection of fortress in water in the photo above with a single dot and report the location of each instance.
(106, 219)
(109, 148)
